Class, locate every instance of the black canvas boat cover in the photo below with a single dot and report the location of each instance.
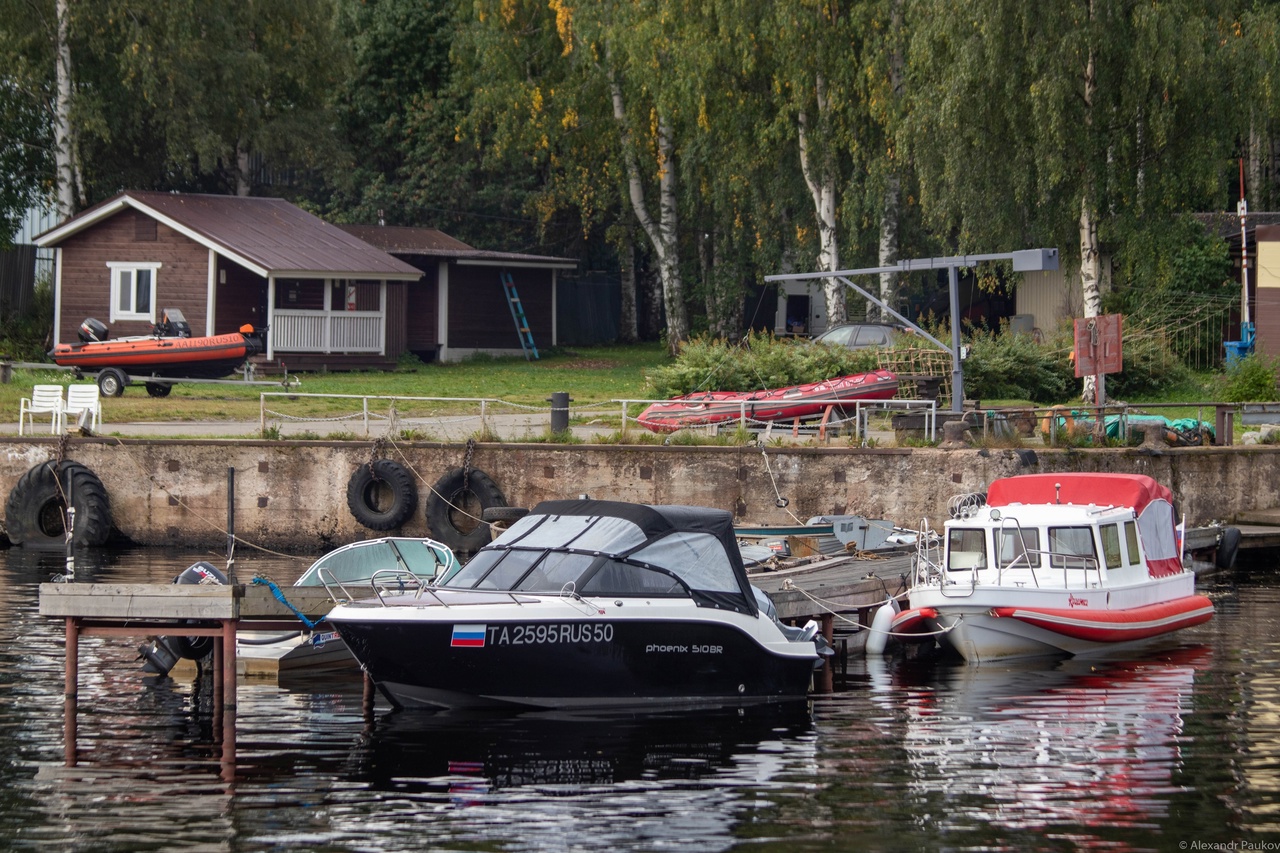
(616, 548)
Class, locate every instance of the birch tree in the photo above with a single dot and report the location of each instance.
(1061, 122)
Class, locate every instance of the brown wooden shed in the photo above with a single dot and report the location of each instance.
(461, 306)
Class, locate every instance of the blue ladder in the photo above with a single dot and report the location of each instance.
(517, 314)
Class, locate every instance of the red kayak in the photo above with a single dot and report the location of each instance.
(797, 401)
(169, 352)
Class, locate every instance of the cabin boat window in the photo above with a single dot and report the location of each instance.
(1131, 539)
(1019, 549)
(617, 578)
(509, 570)
(966, 548)
(698, 559)
(1111, 545)
(1071, 548)
(558, 569)
(579, 532)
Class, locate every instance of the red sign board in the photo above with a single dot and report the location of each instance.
(1098, 347)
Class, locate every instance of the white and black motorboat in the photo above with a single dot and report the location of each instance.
(587, 604)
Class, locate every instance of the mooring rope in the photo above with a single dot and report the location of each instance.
(151, 478)
(276, 591)
(828, 608)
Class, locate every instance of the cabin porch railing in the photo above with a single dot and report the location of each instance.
(294, 330)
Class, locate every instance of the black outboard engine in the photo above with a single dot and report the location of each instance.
(93, 331)
(162, 654)
(255, 340)
(173, 324)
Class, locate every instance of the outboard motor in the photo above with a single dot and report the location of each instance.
(93, 331)
(162, 654)
(255, 339)
(173, 324)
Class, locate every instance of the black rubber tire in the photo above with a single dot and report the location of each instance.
(1228, 546)
(111, 382)
(368, 489)
(456, 504)
(159, 389)
(34, 513)
(504, 513)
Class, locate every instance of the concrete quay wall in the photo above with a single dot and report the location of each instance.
(293, 494)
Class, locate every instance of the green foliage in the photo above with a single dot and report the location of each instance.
(1149, 368)
(25, 337)
(1177, 256)
(709, 364)
(1008, 366)
(1252, 379)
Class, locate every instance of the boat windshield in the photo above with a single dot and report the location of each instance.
(358, 561)
(599, 555)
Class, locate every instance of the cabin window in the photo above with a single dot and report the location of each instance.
(698, 559)
(1111, 545)
(1071, 548)
(133, 291)
(966, 549)
(558, 569)
(1131, 539)
(617, 578)
(1019, 549)
(509, 570)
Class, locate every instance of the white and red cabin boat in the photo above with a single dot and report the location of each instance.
(776, 404)
(1054, 564)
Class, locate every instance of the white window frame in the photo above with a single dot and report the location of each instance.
(118, 271)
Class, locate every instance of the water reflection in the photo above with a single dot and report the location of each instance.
(1146, 752)
(1079, 743)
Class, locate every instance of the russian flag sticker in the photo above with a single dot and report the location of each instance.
(468, 636)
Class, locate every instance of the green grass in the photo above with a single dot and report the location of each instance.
(589, 374)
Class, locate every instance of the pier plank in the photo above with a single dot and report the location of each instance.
(177, 601)
(138, 601)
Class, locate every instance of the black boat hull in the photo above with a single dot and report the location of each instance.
(582, 663)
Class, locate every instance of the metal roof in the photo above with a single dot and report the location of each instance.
(402, 240)
(269, 236)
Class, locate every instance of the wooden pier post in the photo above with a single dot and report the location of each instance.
(70, 692)
(228, 654)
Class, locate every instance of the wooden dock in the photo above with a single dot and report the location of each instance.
(132, 610)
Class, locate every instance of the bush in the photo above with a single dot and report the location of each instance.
(1252, 379)
(1006, 366)
(708, 364)
(1149, 368)
(26, 337)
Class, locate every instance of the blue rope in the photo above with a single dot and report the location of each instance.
(275, 590)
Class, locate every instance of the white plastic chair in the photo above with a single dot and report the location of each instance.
(44, 400)
(83, 402)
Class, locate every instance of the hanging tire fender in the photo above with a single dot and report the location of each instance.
(35, 510)
(448, 515)
(1228, 546)
(367, 485)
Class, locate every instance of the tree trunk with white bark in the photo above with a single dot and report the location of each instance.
(663, 233)
(821, 181)
(64, 155)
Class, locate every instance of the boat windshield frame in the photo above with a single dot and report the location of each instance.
(611, 549)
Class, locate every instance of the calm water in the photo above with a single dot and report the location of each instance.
(1144, 753)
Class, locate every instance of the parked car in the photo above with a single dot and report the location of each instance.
(861, 335)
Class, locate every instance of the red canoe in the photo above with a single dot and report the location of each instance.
(797, 401)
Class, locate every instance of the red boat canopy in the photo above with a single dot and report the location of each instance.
(1151, 502)
(1135, 490)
